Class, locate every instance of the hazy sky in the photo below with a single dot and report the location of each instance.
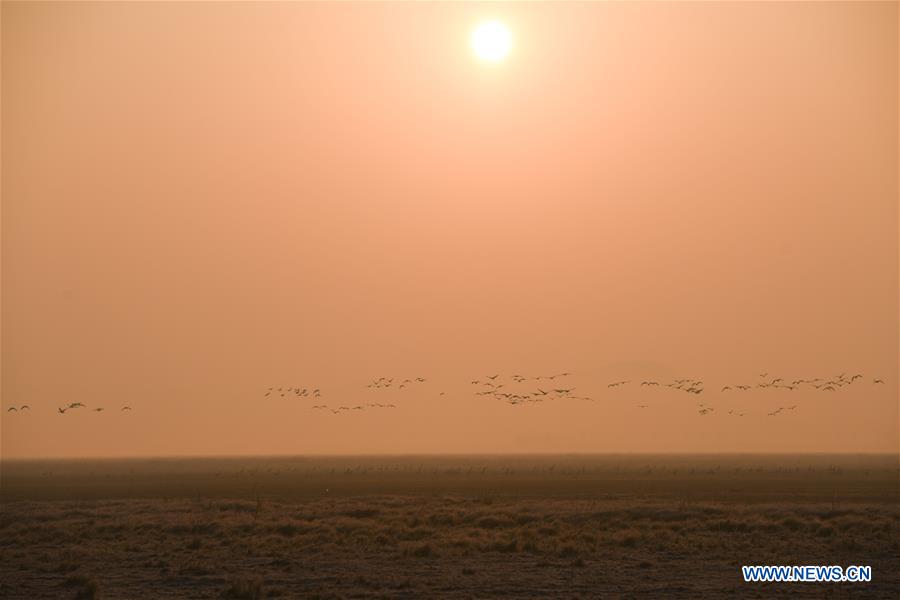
(204, 200)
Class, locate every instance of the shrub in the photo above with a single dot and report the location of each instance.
(87, 588)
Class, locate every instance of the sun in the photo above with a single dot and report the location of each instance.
(491, 41)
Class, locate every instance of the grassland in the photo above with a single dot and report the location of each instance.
(445, 527)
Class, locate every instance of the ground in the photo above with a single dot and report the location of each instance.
(445, 527)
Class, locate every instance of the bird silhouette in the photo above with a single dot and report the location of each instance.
(126, 408)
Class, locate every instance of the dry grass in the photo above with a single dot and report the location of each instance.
(662, 537)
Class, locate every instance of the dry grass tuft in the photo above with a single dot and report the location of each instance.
(244, 588)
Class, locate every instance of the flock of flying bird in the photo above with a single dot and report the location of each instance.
(63, 409)
(380, 383)
(546, 388)
(301, 393)
(492, 386)
(521, 390)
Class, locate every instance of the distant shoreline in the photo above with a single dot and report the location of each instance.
(427, 455)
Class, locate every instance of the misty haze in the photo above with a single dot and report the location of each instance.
(425, 300)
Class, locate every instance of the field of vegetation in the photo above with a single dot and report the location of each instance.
(445, 527)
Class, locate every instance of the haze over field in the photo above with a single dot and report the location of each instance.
(205, 200)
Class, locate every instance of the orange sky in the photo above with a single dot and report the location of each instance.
(203, 200)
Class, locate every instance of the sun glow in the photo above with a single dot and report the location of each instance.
(491, 41)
